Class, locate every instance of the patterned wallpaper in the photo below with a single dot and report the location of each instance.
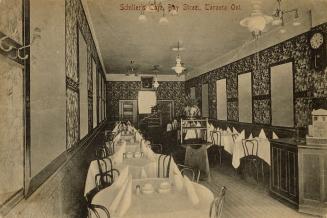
(122, 90)
(76, 20)
(308, 83)
(11, 19)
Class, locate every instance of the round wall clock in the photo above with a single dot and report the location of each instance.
(317, 44)
(316, 40)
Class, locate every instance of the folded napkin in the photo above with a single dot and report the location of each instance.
(251, 136)
(240, 136)
(117, 158)
(228, 130)
(116, 202)
(169, 127)
(235, 131)
(122, 178)
(126, 200)
(262, 134)
(177, 177)
(274, 136)
(191, 191)
(143, 174)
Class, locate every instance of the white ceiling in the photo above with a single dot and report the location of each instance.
(205, 35)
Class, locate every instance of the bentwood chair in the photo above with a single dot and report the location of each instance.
(216, 140)
(164, 166)
(192, 173)
(250, 149)
(234, 136)
(109, 140)
(216, 208)
(106, 174)
(93, 210)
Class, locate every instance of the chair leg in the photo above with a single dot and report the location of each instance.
(263, 173)
(257, 170)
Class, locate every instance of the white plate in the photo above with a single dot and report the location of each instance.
(147, 191)
(166, 190)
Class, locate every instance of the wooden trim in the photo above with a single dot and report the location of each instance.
(27, 105)
(61, 161)
(11, 202)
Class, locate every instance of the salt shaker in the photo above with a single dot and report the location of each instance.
(138, 189)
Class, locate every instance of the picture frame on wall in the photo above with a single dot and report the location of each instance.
(146, 82)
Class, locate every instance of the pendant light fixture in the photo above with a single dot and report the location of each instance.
(178, 68)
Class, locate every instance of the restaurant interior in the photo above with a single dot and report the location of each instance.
(161, 108)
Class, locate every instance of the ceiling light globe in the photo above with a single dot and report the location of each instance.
(257, 23)
(156, 84)
(178, 69)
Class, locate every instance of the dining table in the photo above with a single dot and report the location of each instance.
(140, 167)
(196, 156)
(158, 204)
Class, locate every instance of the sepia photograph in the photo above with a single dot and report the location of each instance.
(163, 108)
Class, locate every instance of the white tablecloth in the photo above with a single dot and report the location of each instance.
(145, 166)
(175, 204)
(226, 141)
(263, 152)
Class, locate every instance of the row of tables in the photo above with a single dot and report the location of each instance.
(140, 168)
(235, 148)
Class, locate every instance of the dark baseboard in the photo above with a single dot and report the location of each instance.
(11, 202)
(56, 165)
(61, 160)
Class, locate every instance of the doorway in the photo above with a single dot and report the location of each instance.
(128, 111)
(167, 110)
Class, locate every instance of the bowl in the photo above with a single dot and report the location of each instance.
(129, 155)
(147, 188)
(165, 185)
(137, 154)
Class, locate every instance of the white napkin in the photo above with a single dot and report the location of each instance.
(121, 190)
(177, 177)
(262, 134)
(191, 191)
(122, 178)
(240, 136)
(143, 174)
(169, 127)
(228, 130)
(251, 136)
(274, 136)
(235, 131)
(117, 158)
(126, 201)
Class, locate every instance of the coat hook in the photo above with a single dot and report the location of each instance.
(18, 53)
(3, 48)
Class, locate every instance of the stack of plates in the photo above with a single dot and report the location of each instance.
(164, 187)
(137, 154)
(129, 155)
(147, 189)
